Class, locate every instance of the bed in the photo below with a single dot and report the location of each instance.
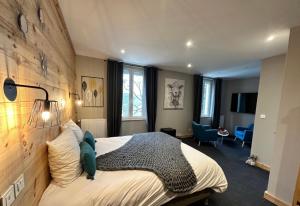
(134, 187)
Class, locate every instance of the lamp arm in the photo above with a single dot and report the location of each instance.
(74, 94)
(30, 86)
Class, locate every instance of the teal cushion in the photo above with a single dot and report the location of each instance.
(89, 138)
(88, 159)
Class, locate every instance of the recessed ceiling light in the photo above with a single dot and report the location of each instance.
(123, 51)
(189, 66)
(270, 38)
(189, 44)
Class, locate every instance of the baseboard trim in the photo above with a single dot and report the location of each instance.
(275, 200)
(262, 166)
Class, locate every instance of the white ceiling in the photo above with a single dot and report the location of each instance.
(229, 35)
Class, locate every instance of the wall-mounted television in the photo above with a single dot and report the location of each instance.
(243, 102)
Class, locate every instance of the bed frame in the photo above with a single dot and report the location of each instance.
(191, 198)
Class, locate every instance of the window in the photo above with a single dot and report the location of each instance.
(133, 106)
(207, 98)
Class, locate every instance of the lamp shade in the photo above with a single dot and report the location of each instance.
(44, 113)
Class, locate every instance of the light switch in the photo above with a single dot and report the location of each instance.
(262, 116)
(19, 185)
(9, 196)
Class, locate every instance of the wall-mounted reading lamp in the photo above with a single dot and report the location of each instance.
(44, 113)
(78, 101)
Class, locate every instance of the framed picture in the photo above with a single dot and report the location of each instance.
(174, 94)
(92, 91)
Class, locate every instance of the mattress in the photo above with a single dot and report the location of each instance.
(132, 187)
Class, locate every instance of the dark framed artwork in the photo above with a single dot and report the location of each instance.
(92, 91)
(174, 93)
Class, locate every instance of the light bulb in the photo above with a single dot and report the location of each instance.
(79, 102)
(45, 116)
(189, 44)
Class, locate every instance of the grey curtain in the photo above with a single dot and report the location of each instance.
(198, 84)
(114, 97)
(151, 74)
(217, 106)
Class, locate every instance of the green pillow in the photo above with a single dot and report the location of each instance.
(88, 159)
(89, 138)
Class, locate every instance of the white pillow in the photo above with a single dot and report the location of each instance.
(75, 128)
(64, 158)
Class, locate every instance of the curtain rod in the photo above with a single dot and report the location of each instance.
(128, 64)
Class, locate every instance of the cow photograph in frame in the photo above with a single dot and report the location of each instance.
(174, 93)
(92, 91)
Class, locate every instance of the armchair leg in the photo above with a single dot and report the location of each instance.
(199, 143)
(243, 144)
(234, 138)
(215, 143)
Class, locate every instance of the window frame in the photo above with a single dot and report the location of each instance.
(212, 98)
(131, 69)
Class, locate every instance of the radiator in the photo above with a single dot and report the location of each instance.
(96, 126)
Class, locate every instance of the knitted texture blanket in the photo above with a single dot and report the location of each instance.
(156, 152)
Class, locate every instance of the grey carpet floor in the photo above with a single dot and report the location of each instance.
(246, 184)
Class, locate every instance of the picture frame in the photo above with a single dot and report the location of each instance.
(92, 91)
(174, 94)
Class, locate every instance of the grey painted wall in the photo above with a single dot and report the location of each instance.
(270, 84)
(181, 120)
(286, 153)
(87, 66)
(232, 119)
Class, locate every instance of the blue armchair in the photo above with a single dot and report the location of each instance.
(244, 133)
(204, 133)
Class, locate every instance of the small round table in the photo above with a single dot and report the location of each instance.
(223, 133)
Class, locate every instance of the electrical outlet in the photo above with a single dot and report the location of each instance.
(8, 197)
(19, 184)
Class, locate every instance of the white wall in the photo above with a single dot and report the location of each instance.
(87, 66)
(286, 153)
(269, 94)
(235, 86)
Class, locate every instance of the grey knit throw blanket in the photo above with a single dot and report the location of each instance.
(156, 152)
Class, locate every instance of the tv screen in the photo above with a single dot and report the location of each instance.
(243, 102)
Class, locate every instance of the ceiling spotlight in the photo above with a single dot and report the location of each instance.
(189, 66)
(123, 51)
(189, 44)
(270, 38)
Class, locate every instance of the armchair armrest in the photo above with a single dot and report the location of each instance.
(211, 130)
(206, 127)
(238, 128)
(212, 133)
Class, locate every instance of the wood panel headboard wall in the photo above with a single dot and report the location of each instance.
(23, 150)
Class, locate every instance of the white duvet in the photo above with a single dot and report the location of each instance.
(131, 187)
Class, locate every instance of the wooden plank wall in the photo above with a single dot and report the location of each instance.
(22, 149)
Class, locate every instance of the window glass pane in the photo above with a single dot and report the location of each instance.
(137, 93)
(133, 104)
(126, 93)
(207, 95)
